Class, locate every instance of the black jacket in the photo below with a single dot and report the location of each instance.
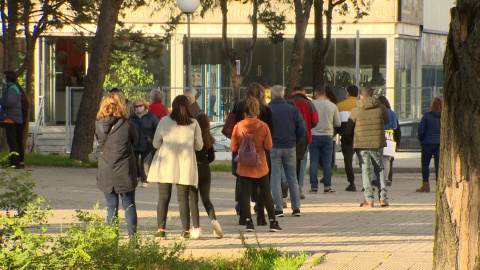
(145, 126)
(117, 170)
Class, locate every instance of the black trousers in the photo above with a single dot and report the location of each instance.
(14, 134)
(347, 151)
(266, 194)
(204, 183)
(164, 195)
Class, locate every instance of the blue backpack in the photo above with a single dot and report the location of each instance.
(247, 152)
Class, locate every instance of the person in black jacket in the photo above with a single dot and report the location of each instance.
(117, 175)
(145, 123)
(204, 157)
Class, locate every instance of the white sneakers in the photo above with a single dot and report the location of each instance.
(195, 233)
(217, 230)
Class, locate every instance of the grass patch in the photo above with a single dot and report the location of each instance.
(58, 160)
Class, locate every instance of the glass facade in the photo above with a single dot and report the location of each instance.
(405, 91)
(433, 49)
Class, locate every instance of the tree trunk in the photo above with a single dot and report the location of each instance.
(296, 60)
(457, 244)
(82, 143)
(322, 44)
(231, 54)
(10, 25)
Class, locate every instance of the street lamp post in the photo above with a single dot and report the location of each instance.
(188, 7)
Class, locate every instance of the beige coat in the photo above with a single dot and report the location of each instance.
(175, 161)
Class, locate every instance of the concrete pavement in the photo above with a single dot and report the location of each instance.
(332, 227)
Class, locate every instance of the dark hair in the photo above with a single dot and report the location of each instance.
(352, 90)
(367, 92)
(320, 90)
(331, 95)
(384, 101)
(257, 91)
(11, 76)
(204, 124)
(114, 90)
(181, 111)
(298, 88)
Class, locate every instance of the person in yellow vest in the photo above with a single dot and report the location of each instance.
(344, 109)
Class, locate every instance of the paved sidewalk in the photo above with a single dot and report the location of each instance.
(332, 227)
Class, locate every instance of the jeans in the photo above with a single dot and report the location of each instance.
(128, 202)
(302, 172)
(429, 150)
(164, 195)
(287, 158)
(321, 145)
(140, 165)
(365, 158)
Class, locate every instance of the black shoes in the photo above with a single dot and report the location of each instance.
(351, 187)
(250, 227)
(274, 227)
(314, 191)
(296, 213)
(279, 213)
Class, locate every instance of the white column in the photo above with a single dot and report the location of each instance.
(390, 70)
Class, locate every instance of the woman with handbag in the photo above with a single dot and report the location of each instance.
(117, 176)
(145, 123)
(177, 138)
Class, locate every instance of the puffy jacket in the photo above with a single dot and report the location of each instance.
(145, 125)
(117, 170)
(366, 124)
(11, 104)
(308, 111)
(288, 124)
(429, 128)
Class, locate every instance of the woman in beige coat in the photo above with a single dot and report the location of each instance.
(175, 161)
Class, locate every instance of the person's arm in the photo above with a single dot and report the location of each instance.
(349, 131)
(313, 115)
(421, 129)
(235, 141)
(10, 98)
(300, 129)
(157, 138)
(198, 141)
(268, 143)
(210, 154)
(133, 132)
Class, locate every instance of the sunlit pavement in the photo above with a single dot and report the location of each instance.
(332, 226)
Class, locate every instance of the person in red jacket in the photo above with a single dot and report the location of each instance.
(156, 107)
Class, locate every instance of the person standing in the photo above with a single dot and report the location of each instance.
(310, 116)
(429, 137)
(322, 140)
(177, 138)
(289, 130)
(145, 123)
(204, 158)
(344, 109)
(117, 176)
(366, 128)
(156, 107)
(257, 129)
(390, 127)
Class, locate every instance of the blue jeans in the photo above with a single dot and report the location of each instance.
(128, 202)
(288, 158)
(365, 158)
(321, 145)
(302, 172)
(429, 150)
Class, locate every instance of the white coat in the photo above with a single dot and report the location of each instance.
(175, 161)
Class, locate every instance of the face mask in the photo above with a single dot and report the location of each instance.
(139, 110)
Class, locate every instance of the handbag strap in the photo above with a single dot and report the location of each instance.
(106, 139)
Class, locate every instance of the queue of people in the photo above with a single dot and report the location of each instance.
(264, 140)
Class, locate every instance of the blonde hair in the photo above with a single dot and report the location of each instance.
(252, 107)
(143, 101)
(113, 105)
(257, 91)
(190, 96)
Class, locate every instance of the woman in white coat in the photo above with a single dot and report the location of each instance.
(177, 138)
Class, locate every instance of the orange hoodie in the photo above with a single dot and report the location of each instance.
(262, 137)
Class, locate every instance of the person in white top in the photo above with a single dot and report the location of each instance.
(322, 140)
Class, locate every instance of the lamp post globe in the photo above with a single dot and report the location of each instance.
(188, 6)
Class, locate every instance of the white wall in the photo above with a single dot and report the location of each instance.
(436, 15)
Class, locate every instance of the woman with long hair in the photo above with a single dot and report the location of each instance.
(175, 162)
(145, 123)
(12, 118)
(204, 157)
(429, 137)
(117, 174)
(252, 126)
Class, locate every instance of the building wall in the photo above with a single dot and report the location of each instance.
(437, 15)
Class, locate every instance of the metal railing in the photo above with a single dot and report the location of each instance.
(39, 122)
